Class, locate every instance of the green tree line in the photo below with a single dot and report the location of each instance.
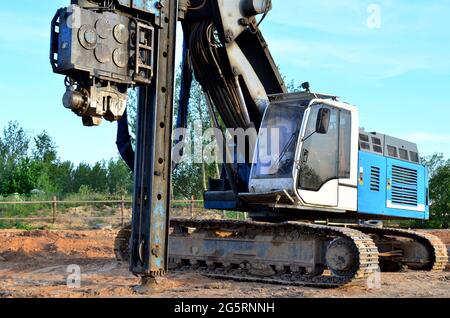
(31, 165)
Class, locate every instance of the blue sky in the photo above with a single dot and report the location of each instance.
(398, 75)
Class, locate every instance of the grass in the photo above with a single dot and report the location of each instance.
(45, 210)
(19, 225)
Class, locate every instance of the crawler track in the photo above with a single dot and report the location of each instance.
(436, 248)
(361, 245)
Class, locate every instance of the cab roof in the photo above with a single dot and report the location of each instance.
(300, 96)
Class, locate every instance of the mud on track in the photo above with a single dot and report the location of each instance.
(34, 264)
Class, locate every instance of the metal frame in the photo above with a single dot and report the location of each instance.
(150, 224)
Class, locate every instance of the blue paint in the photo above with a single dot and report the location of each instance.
(123, 141)
(159, 229)
(381, 171)
(376, 189)
(220, 205)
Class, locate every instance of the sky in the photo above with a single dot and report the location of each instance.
(391, 58)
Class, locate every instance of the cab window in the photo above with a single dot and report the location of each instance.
(320, 152)
(345, 139)
(277, 141)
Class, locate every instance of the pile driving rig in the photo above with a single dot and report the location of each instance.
(326, 166)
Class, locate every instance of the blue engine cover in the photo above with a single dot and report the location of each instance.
(392, 188)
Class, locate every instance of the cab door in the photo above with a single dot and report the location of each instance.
(319, 164)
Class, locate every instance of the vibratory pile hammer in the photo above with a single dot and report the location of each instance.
(306, 161)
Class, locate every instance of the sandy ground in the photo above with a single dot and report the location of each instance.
(35, 264)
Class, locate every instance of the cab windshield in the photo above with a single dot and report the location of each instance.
(277, 140)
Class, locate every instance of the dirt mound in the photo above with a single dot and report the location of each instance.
(19, 245)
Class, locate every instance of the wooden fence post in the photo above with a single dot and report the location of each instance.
(192, 206)
(54, 209)
(122, 210)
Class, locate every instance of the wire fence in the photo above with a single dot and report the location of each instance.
(82, 214)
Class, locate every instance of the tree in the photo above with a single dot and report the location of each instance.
(45, 149)
(439, 187)
(99, 177)
(434, 163)
(14, 146)
(81, 176)
(15, 143)
(440, 196)
(45, 158)
(120, 178)
(62, 177)
(23, 179)
(187, 181)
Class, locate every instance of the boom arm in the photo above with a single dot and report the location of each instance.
(230, 58)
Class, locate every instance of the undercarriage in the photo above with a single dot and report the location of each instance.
(413, 249)
(293, 253)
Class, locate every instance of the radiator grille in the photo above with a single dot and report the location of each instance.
(404, 186)
(375, 179)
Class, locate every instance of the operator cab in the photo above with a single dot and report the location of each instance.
(304, 153)
(311, 156)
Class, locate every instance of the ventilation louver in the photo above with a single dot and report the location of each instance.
(404, 186)
(375, 179)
